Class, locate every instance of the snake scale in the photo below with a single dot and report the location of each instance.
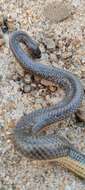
(27, 133)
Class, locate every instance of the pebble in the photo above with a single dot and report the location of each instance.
(52, 88)
(68, 187)
(44, 58)
(33, 86)
(81, 112)
(11, 23)
(37, 106)
(76, 3)
(67, 55)
(57, 11)
(82, 59)
(39, 101)
(53, 57)
(41, 92)
(71, 136)
(82, 71)
(37, 79)
(47, 97)
(11, 105)
(27, 88)
(59, 54)
(27, 79)
(81, 50)
(50, 44)
(42, 48)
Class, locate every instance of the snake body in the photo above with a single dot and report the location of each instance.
(28, 136)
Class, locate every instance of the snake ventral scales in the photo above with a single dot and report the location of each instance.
(27, 132)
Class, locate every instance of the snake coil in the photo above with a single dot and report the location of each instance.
(27, 132)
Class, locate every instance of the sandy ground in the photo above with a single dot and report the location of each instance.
(63, 45)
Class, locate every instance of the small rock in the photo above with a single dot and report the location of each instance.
(52, 88)
(82, 68)
(47, 83)
(42, 92)
(27, 88)
(81, 50)
(67, 55)
(47, 98)
(71, 136)
(50, 44)
(42, 48)
(10, 124)
(11, 23)
(37, 79)
(27, 79)
(57, 11)
(76, 3)
(53, 57)
(10, 105)
(81, 112)
(82, 59)
(39, 101)
(37, 106)
(33, 85)
(44, 58)
(58, 54)
(67, 187)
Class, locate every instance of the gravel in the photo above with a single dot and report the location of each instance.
(62, 45)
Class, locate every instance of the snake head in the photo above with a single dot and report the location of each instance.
(36, 53)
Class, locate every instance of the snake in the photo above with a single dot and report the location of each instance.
(29, 136)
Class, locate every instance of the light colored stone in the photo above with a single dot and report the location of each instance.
(27, 79)
(27, 88)
(67, 55)
(53, 57)
(82, 59)
(33, 85)
(76, 3)
(39, 101)
(11, 23)
(50, 44)
(37, 79)
(57, 11)
(52, 88)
